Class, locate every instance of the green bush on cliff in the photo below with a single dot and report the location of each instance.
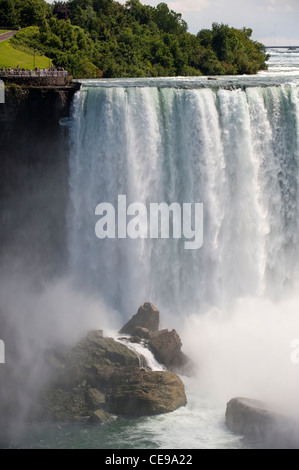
(234, 51)
(20, 13)
(93, 38)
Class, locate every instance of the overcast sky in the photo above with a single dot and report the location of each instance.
(274, 22)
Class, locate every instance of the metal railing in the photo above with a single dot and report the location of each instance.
(33, 73)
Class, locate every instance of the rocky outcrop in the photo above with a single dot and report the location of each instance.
(145, 393)
(165, 345)
(100, 376)
(146, 317)
(258, 422)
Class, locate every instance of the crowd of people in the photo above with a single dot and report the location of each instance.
(21, 71)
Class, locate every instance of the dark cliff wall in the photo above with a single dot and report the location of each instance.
(33, 202)
(34, 178)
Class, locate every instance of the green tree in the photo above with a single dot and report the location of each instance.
(32, 12)
(9, 14)
(230, 51)
(168, 20)
(61, 11)
(104, 38)
(205, 37)
(141, 13)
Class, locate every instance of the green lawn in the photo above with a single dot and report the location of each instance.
(4, 31)
(10, 57)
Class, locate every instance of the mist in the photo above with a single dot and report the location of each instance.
(53, 312)
(246, 351)
(37, 318)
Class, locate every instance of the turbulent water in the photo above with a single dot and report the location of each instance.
(231, 144)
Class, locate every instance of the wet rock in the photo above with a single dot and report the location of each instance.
(166, 347)
(143, 333)
(147, 316)
(100, 376)
(135, 339)
(95, 398)
(267, 428)
(146, 393)
(100, 417)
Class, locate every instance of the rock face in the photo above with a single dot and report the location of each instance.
(100, 376)
(146, 317)
(34, 166)
(256, 421)
(145, 393)
(165, 345)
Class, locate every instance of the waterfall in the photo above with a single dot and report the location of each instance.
(145, 356)
(234, 150)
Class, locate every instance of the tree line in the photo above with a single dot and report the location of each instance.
(102, 38)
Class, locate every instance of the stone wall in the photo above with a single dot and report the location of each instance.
(42, 81)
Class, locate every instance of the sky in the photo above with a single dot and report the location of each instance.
(274, 22)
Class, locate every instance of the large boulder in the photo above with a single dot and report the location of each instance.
(166, 347)
(255, 420)
(146, 317)
(145, 393)
(100, 376)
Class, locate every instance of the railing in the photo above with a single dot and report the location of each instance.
(290, 48)
(33, 73)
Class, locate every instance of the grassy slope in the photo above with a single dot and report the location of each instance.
(10, 57)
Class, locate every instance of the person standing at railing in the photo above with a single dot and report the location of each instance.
(37, 72)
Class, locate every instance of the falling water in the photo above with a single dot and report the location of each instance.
(234, 149)
(145, 356)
